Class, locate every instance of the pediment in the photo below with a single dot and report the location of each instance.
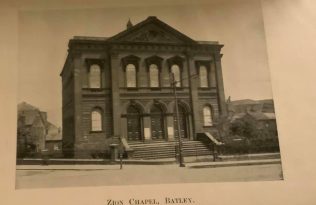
(152, 30)
(152, 34)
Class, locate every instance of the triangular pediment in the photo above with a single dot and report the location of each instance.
(152, 30)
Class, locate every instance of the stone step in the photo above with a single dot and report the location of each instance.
(167, 149)
(157, 150)
(171, 156)
(165, 143)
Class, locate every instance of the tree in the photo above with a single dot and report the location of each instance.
(245, 127)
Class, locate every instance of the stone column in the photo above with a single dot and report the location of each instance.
(212, 75)
(194, 83)
(124, 126)
(147, 127)
(142, 74)
(170, 127)
(165, 74)
(116, 105)
(220, 85)
(191, 133)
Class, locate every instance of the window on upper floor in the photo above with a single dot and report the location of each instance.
(207, 115)
(154, 75)
(175, 70)
(131, 76)
(95, 76)
(203, 73)
(96, 120)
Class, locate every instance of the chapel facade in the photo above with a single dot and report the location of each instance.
(121, 86)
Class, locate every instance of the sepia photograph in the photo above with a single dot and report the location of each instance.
(145, 95)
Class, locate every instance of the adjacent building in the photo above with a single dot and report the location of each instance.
(121, 86)
(262, 112)
(35, 133)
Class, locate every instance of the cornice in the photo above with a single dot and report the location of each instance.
(148, 46)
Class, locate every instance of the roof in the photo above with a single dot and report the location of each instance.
(243, 102)
(23, 106)
(262, 115)
(255, 115)
(159, 26)
(30, 113)
(53, 132)
(151, 20)
(151, 30)
(91, 38)
(237, 116)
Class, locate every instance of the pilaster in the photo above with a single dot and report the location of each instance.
(170, 127)
(212, 74)
(147, 128)
(116, 108)
(194, 82)
(220, 85)
(78, 69)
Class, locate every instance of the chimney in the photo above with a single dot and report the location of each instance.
(129, 24)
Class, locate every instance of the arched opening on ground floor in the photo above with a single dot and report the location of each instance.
(134, 124)
(183, 121)
(157, 123)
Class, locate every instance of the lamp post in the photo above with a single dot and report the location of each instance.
(174, 82)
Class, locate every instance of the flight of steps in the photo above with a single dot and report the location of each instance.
(163, 149)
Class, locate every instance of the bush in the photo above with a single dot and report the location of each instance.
(252, 146)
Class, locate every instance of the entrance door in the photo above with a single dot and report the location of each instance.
(183, 123)
(133, 124)
(157, 123)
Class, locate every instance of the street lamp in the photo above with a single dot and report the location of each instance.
(174, 82)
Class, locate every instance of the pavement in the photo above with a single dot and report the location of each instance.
(188, 163)
(143, 174)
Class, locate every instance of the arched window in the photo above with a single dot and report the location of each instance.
(207, 115)
(175, 70)
(130, 76)
(154, 75)
(96, 120)
(95, 76)
(203, 76)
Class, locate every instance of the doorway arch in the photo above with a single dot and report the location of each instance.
(157, 123)
(134, 124)
(183, 121)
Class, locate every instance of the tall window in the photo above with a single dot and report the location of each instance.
(130, 76)
(175, 70)
(96, 120)
(207, 114)
(154, 75)
(95, 76)
(203, 76)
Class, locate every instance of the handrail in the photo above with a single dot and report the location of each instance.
(125, 144)
(213, 139)
(210, 138)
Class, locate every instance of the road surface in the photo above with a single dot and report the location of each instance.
(145, 174)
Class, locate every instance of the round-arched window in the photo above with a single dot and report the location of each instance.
(130, 76)
(175, 70)
(203, 76)
(154, 75)
(96, 120)
(95, 76)
(207, 115)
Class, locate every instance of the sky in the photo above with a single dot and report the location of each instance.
(44, 35)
